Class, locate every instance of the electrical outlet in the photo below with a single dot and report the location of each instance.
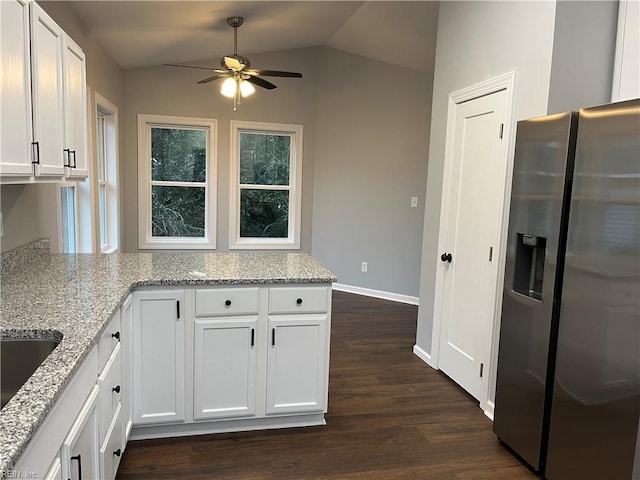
(364, 267)
(414, 202)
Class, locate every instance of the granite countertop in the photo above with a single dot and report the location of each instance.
(75, 295)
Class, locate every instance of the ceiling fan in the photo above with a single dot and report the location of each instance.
(240, 77)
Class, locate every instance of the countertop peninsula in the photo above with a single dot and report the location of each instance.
(73, 296)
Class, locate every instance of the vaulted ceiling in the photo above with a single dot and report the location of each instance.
(146, 33)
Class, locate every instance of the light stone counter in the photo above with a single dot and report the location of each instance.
(73, 297)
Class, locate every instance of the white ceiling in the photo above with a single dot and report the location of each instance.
(146, 33)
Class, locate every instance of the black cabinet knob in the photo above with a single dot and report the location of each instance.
(227, 303)
(299, 301)
(117, 452)
(446, 257)
(116, 335)
(116, 389)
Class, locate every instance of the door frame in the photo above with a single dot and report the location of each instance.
(506, 82)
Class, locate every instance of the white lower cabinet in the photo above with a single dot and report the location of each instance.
(112, 448)
(297, 364)
(55, 470)
(225, 367)
(234, 358)
(80, 448)
(159, 360)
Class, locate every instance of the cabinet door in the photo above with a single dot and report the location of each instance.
(47, 97)
(225, 367)
(297, 364)
(55, 470)
(127, 386)
(75, 103)
(80, 447)
(159, 362)
(15, 90)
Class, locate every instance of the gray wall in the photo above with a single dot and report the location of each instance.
(478, 41)
(174, 91)
(364, 154)
(583, 54)
(30, 212)
(371, 157)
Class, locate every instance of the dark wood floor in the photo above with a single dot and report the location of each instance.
(390, 417)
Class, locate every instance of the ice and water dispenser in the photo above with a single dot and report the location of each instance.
(529, 265)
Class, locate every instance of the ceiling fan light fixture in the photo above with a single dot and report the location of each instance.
(246, 88)
(229, 87)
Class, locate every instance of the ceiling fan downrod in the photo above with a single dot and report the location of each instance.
(235, 22)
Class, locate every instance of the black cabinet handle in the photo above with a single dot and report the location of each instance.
(116, 335)
(273, 337)
(79, 459)
(253, 336)
(117, 452)
(178, 308)
(37, 155)
(227, 303)
(75, 160)
(116, 389)
(446, 257)
(68, 152)
(299, 301)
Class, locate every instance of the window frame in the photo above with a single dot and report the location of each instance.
(145, 238)
(109, 112)
(295, 132)
(75, 228)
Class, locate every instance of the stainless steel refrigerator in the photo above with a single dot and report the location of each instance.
(568, 383)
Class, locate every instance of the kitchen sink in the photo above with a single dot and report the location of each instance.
(19, 358)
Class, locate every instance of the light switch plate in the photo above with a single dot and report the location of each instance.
(414, 202)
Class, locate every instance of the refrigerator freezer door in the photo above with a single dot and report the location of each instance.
(596, 396)
(542, 168)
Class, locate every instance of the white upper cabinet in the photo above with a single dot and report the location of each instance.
(47, 53)
(15, 90)
(43, 98)
(75, 102)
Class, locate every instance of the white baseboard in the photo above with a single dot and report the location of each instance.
(490, 410)
(368, 292)
(424, 356)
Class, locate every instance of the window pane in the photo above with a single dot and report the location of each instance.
(178, 155)
(264, 159)
(101, 148)
(264, 213)
(103, 214)
(68, 208)
(177, 211)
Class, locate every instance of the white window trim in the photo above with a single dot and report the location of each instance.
(145, 239)
(295, 187)
(110, 111)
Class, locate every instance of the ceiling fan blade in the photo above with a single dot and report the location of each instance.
(261, 82)
(274, 73)
(189, 66)
(211, 79)
(233, 64)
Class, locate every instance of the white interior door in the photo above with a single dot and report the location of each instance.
(472, 222)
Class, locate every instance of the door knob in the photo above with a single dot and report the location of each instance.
(446, 257)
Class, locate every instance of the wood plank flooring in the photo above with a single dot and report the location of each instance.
(390, 417)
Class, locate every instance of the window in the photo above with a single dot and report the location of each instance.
(176, 161)
(106, 121)
(266, 163)
(68, 214)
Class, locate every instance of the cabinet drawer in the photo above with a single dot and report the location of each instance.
(112, 448)
(110, 383)
(298, 299)
(227, 301)
(108, 340)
